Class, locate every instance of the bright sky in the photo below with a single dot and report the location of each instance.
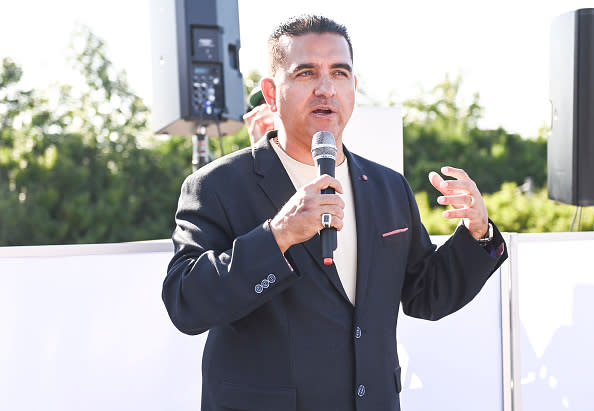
(500, 48)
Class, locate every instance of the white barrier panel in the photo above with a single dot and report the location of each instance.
(456, 363)
(84, 328)
(376, 133)
(89, 332)
(555, 278)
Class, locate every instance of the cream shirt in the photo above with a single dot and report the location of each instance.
(345, 256)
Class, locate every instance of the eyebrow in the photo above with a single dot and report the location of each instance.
(344, 66)
(305, 66)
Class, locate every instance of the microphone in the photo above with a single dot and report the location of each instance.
(323, 150)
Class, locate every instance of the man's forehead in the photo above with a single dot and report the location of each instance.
(314, 41)
(312, 48)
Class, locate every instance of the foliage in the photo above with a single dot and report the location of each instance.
(71, 168)
(438, 131)
(230, 143)
(79, 164)
(513, 211)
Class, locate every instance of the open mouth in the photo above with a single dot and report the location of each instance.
(322, 111)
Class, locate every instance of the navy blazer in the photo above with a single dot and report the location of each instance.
(282, 333)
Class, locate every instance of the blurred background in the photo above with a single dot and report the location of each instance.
(80, 163)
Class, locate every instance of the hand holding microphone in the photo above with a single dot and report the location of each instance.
(301, 217)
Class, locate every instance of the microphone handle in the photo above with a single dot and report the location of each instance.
(328, 239)
(327, 235)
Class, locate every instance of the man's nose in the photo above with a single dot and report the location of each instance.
(325, 86)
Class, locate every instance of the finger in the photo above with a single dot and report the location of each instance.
(450, 187)
(324, 181)
(249, 115)
(436, 180)
(261, 115)
(465, 212)
(335, 210)
(266, 117)
(330, 200)
(335, 221)
(457, 200)
(458, 173)
(256, 111)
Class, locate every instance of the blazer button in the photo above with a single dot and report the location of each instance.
(357, 332)
(271, 278)
(265, 283)
(259, 288)
(361, 390)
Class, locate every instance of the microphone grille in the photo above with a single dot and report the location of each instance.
(323, 145)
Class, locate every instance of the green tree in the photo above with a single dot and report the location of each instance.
(72, 168)
(438, 130)
(79, 164)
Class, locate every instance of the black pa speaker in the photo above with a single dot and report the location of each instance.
(570, 147)
(195, 63)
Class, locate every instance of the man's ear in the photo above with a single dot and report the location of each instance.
(269, 92)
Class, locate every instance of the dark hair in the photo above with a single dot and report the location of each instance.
(298, 26)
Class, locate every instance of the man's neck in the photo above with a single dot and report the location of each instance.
(302, 152)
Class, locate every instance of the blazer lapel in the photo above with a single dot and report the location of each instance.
(275, 182)
(314, 248)
(363, 194)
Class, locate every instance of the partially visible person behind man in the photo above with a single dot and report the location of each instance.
(287, 332)
(259, 119)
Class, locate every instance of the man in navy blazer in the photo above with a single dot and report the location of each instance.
(287, 332)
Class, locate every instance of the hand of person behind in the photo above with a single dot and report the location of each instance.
(259, 121)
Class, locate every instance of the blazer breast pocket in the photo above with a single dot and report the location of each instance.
(391, 238)
(236, 397)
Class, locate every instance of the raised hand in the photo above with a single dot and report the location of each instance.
(464, 197)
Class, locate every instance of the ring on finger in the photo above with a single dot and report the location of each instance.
(471, 201)
(326, 220)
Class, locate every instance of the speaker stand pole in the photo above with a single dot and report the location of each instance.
(578, 215)
(199, 149)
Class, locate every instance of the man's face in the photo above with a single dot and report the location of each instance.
(315, 86)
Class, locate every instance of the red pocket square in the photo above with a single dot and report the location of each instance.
(400, 230)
